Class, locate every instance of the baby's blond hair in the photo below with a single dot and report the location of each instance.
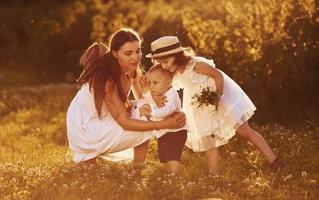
(158, 68)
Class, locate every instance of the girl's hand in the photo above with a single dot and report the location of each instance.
(176, 120)
(159, 100)
(144, 83)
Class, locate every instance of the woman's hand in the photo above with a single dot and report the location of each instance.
(176, 120)
(159, 100)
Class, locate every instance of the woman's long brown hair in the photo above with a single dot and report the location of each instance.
(107, 68)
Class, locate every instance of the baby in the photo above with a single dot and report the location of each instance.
(170, 141)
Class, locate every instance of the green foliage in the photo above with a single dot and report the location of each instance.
(34, 166)
(269, 47)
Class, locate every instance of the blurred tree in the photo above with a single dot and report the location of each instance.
(269, 47)
(42, 40)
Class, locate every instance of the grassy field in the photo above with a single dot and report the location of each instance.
(35, 162)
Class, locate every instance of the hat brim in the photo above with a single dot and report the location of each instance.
(166, 53)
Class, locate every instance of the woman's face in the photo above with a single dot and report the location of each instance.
(129, 56)
(167, 63)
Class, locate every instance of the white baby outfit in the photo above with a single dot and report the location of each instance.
(159, 113)
(234, 109)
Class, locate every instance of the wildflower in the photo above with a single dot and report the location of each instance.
(233, 153)
(20, 162)
(83, 186)
(215, 176)
(288, 177)
(65, 185)
(303, 174)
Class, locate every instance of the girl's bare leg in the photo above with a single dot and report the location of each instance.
(249, 134)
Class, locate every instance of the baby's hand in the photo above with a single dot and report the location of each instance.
(144, 83)
(146, 111)
(159, 100)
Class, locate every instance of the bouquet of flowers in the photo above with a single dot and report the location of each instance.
(206, 97)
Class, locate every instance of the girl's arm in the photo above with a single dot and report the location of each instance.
(118, 111)
(206, 69)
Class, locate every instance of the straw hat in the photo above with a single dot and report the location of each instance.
(165, 46)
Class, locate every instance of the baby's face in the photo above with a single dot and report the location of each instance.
(159, 83)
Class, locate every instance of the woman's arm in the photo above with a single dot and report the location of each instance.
(136, 85)
(206, 69)
(118, 111)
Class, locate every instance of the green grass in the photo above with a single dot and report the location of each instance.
(35, 162)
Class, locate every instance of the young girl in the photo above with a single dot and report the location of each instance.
(234, 107)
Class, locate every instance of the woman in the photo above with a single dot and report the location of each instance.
(98, 119)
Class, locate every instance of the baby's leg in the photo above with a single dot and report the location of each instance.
(249, 134)
(172, 167)
(140, 153)
(212, 157)
(170, 148)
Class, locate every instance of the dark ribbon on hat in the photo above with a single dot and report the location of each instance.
(167, 48)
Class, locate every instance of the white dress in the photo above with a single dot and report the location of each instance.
(209, 128)
(90, 136)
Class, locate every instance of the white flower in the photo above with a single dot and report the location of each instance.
(303, 173)
(233, 153)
